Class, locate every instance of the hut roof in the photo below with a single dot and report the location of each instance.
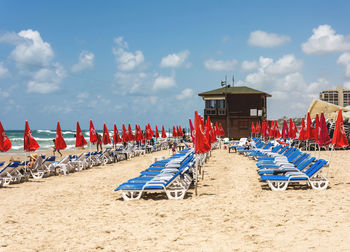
(233, 90)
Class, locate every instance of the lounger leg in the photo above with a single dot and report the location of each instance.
(131, 195)
(277, 185)
(175, 194)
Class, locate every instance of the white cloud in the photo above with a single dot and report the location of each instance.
(3, 70)
(282, 78)
(164, 82)
(120, 42)
(344, 59)
(126, 61)
(325, 40)
(220, 65)
(185, 94)
(249, 65)
(86, 61)
(47, 80)
(33, 57)
(65, 109)
(30, 51)
(81, 97)
(133, 82)
(287, 64)
(264, 39)
(175, 60)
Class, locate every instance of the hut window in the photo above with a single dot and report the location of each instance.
(221, 104)
(209, 104)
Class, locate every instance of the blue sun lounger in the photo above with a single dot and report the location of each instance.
(312, 176)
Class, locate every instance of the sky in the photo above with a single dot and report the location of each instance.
(146, 61)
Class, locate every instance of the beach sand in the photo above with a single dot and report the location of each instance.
(232, 212)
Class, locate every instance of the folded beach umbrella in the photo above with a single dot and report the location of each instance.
(208, 132)
(302, 132)
(295, 129)
(141, 137)
(277, 131)
(157, 133)
(323, 137)
(30, 144)
(150, 131)
(222, 132)
(272, 130)
(130, 134)
(263, 129)
(93, 136)
(116, 136)
(309, 130)
(285, 133)
(163, 132)
(79, 137)
(316, 130)
(339, 137)
(5, 143)
(201, 144)
(60, 144)
(257, 128)
(105, 135)
(125, 135)
(192, 130)
(292, 131)
(252, 128)
(174, 132)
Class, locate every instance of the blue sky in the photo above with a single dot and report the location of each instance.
(146, 61)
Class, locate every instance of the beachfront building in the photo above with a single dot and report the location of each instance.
(338, 97)
(235, 108)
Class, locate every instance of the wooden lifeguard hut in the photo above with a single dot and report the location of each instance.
(235, 108)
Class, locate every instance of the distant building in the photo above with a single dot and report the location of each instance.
(235, 108)
(338, 97)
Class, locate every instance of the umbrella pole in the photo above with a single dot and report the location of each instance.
(196, 178)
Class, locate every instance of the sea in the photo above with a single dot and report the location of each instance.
(44, 138)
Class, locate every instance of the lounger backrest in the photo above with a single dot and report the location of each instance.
(2, 163)
(38, 163)
(307, 161)
(9, 168)
(300, 158)
(283, 149)
(315, 168)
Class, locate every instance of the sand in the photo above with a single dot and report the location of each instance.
(232, 212)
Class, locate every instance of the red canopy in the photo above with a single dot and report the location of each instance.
(157, 133)
(222, 132)
(277, 131)
(285, 133)
(150, 131)
(316, 130)
(130, 134)
(323, 137)
(163, 132)
(116, 136)
(292, 131)
(309, 130)
(272, 130)
(5, 143)
(29, 142)
(339, 137)
(105, 135)
(125, 134)
(60, 144)
(79, 138)
(252, 129)
(257, 128)
(192, 130)
(174, 132)
(302, 132)
(93, 136)
(201, 144)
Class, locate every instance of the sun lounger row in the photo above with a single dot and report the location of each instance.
(18, 171)
(280, 166)
(172, 176)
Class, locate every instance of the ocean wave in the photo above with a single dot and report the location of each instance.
(45, 131)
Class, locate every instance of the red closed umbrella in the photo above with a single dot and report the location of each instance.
(157, 133)
(93, 136)
(116, 136)
(5, 143)
(339, 137)
(285, 133)
(125, 135)
(105, 135)
(302, 132)
(79, 138)
(163, 132)
(60, 144)
(323, 137)
(174, 132)
(30, 144)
